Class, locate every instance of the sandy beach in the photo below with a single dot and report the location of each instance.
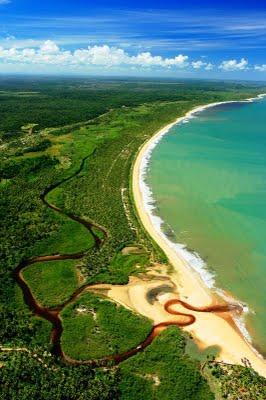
(210, 329)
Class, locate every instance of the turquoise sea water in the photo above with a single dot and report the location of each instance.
(208, 178)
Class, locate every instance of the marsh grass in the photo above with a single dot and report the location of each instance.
(95, 327)
(53, 282)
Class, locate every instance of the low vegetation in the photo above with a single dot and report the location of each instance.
(53, 282)
(50, 155)
(95, 327)
(35, 376)
(52, 102)
(163, 371)
(235, 381)
(71, 237)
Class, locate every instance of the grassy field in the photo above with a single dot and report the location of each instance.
(124, 265)
(71, 237)
(52, 102)
(52, 283)
(31, 161)
(95, 327)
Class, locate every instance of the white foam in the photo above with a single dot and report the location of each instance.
(240, 323)
(193, 259)
(238, 319)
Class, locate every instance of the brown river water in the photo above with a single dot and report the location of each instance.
(53, 314)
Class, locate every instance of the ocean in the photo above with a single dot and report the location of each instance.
(207, 177)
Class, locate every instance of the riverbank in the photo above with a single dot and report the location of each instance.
(210, 329)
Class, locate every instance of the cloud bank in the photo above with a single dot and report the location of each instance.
(261, 68)
(200, 64)
(49, 53)
(233, 65)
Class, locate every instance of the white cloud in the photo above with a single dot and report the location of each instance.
(198, 64)
(49, 53)
(201, 64)
(179, 61)
(49, 47)
(234, 65)
(209, 67)
(101, 55)
(146, 60)
(261, 68)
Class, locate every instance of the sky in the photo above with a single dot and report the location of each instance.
(188, 39)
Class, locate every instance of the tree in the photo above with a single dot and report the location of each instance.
(29, 128)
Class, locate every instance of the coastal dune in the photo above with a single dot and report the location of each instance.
(209, 329)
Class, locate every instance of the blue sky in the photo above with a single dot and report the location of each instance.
(150, 38)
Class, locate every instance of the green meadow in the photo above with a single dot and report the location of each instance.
(95, 327)
(53, 282)
(45, 140)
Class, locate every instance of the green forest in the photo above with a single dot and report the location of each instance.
(67, 213)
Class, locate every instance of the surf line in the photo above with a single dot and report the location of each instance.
(53, 314)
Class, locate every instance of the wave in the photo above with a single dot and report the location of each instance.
(240, 319)
(192, 259)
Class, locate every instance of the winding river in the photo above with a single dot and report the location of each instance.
(53, 314)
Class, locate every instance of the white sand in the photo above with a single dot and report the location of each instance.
(209, 329)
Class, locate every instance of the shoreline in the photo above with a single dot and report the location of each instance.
(195, 283)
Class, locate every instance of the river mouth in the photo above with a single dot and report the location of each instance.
(53, 314)
(206, 181)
